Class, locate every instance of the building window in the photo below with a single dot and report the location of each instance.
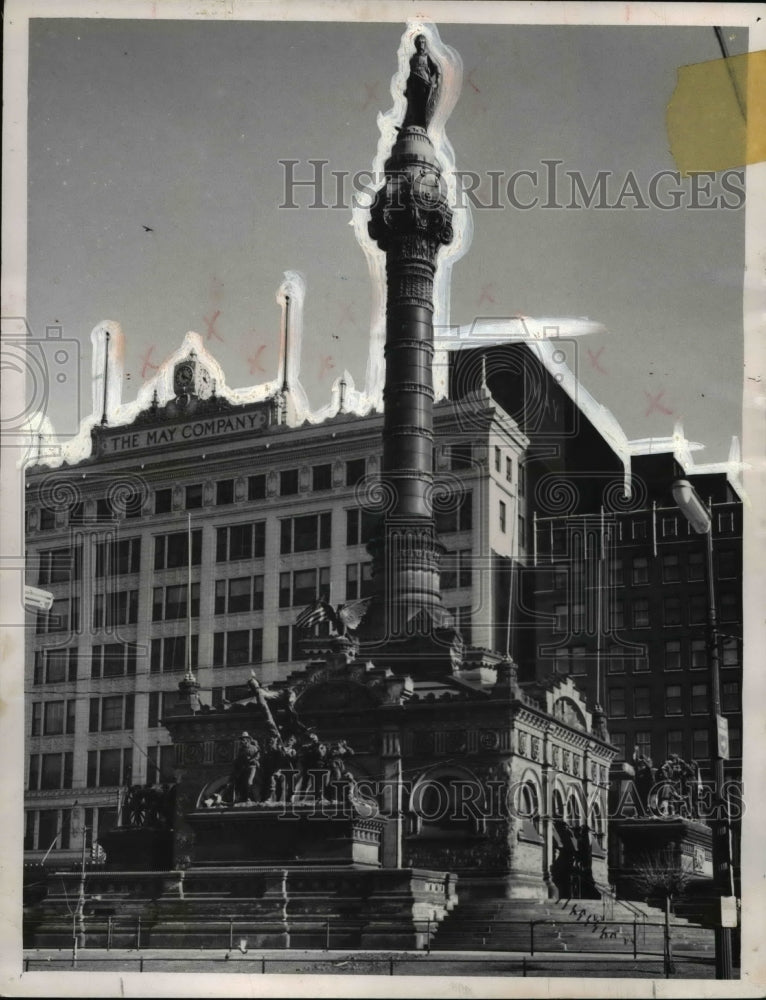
(241, 541)
(509, 469)
(669, 527)
(194, 496)
(58, 717)
(360, 526)
(502, 516)
(729, 608)
(699, 654)
(64, 616)
(674, 742)
(47, 519)
(615, 663)
(288, 482)
(160, 766)
(305, 534)
(673, 704)
(321, 477)
(730, 697)
(304, 586)
(159, 703)
(735, 742)
(640, 570)
(522, 479)
(700, 744)
(110, 768)
(256, 487)
(460, 457)
(671, 607)
(356, 470)
(163, 501)
(169, 654)
(240, 594)
(644, 742)
(55, 666)
(459, 518)
(50, 771)
(642, 702)
(578, 661)
(696, 567)
(673, 654)
(616, 702)
(618, 615)
(561, 661)
(60, 565)
(54, 830)
(697, 609)
(728, 564)
(617, 572)
(172, 551)
(498, 459)
(118, 557)
(111, 713)
(618, 741)
(116, 659)
(562, 617)
(120, 608)
(730, 651)
(224, 492)
(638, 530)
(170, 603)
(231, 649)
(726, 522)
(671, 569)
(641, 613)
(457, 571)
(104, 510)
(287, 644)
(359, 581)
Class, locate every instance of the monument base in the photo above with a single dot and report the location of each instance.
(249, 907)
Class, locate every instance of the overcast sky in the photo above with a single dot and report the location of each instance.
(180, 126)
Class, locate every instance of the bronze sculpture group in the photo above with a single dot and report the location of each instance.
(672, 789)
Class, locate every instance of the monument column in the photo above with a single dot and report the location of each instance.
(410, 221)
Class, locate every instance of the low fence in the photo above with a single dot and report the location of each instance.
(390, 965)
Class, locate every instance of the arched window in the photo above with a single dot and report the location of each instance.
(528, 810)
(558, 804)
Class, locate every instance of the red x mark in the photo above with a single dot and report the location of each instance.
(485, 293)
(211, 330)
(655, 404)
(148, 364)
(346, 314)
(254, 360)
(326, 364)
(372, 94)
(470, 82)
(594, 360)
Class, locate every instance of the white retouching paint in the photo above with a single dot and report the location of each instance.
(450, 84)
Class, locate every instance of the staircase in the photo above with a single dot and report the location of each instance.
(566, 926)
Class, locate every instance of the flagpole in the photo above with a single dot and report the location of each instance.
(189, 674)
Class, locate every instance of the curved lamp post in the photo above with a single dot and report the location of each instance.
(700, 518)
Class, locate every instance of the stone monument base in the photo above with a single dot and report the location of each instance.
(217, 908)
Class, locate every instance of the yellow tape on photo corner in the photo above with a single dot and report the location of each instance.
(716, 118)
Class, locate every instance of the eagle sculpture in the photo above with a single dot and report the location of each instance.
(343, 619)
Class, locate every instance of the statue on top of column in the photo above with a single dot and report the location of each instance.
(422, 86)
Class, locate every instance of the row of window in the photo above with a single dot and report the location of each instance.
(646, 741)
(321, 479)
(105, 769)
(696, 700)
(557, 540)
(636, 613)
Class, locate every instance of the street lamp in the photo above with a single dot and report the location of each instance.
(701, 520)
